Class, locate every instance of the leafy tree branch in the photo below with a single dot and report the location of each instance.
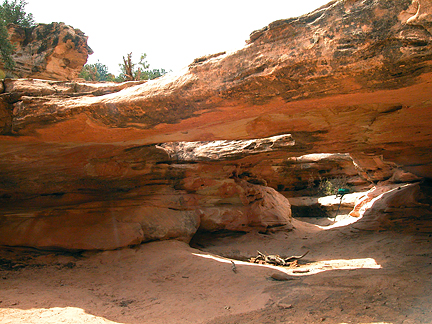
(11, 12)
(129, 71)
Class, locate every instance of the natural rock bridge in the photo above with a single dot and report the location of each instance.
(218, 145)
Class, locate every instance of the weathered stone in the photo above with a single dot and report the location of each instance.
(222, 150)
(256, 207)
(296, 78)
(324, 206)
(75, 229)
(218, 138)
(35, 88)
(302, 176)
(96, 225)
(48, 51)
(422, 10)
(284, 305)
(164, 223)
(5, 117)
(390, 205)
(400, 176)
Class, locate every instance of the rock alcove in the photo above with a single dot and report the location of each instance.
(227, 154)
(225, 143)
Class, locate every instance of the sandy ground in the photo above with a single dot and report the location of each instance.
(352, 274)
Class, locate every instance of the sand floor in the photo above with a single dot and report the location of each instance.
(351, 274)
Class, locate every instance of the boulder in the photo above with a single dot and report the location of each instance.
(258, 208)
(163, 223)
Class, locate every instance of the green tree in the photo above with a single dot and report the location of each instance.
(155, 73)
(130, 71)
(11, 12)
(328, 187)
(6, 48)
(14, 13)
(96, 72)
(137, 71)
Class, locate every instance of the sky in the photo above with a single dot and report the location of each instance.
(171, 32)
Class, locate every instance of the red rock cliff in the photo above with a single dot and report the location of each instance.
(145, 162)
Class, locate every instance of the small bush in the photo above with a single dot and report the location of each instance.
(14, 13)
(328, 187)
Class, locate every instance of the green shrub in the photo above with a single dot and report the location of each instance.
(328, 187)
(96, 72)
(11, 12)
(14, 13)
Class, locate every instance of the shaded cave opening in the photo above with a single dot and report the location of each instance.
(184, 177)
(314, 203)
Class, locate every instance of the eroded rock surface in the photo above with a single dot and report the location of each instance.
(215, 146)
(48, 51)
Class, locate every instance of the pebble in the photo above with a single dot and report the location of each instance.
(301, 271)
(284, 305)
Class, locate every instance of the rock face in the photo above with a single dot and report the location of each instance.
(48, 51)
(339, 79)
(127, 196)
(215, 146)
(392, 206)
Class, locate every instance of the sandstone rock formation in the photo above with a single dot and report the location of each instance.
(48, 51)
(214, 146)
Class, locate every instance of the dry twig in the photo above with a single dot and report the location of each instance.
(233, 267)
(261, 258)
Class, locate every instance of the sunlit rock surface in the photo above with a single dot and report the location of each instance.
(48, 51)
(220, 144)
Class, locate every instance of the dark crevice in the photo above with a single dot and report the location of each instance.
(203, 239)
(54, 194)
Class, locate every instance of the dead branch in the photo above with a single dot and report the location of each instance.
(277, 260)
(294, 257)
(128, 67)
(233, 267)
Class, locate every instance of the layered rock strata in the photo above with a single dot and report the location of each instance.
(335, 78)
(212, 146)
(109, 197)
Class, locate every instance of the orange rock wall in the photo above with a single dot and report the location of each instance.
(351, 77)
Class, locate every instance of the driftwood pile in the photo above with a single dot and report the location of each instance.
(277, 260)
